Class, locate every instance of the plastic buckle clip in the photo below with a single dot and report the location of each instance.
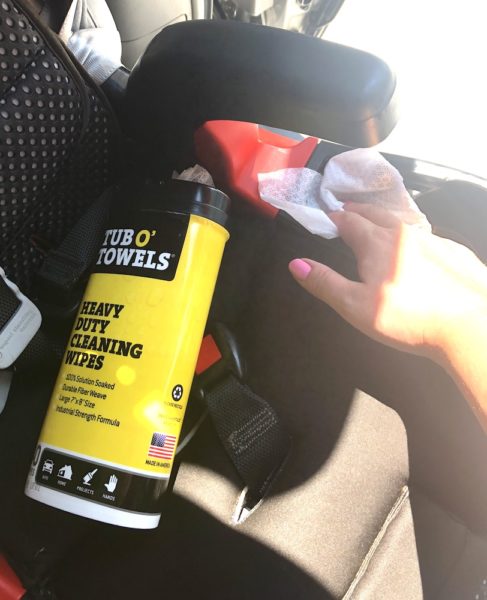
(19, 330)
(219, 357)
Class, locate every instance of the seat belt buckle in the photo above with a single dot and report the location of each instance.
(20, 328)
(219, 356)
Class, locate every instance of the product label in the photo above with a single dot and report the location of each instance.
(120, 375)
(119, 401)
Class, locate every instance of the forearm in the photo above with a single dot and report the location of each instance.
(464, 356)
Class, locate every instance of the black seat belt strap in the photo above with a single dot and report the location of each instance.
(249, 429)
(60, 278)
(250, 432)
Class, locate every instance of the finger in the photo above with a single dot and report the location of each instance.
(355, 230)
(375, 214)
(325, 284)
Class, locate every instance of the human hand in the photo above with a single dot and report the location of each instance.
(416, 290)
(112, 484)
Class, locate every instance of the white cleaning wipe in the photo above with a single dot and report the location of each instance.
(198, 174)
(361, 175)
(297, 192)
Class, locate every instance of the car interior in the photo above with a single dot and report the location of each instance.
(380, 489)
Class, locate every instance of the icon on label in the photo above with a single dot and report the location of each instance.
(89, 476)
(112, 483)
(48, 466)
(65, 472)
(177, 392)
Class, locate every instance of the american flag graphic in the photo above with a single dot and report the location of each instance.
(162, 445)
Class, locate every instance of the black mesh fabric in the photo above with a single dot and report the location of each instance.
(56, 138)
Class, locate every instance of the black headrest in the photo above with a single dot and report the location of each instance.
(202, 70)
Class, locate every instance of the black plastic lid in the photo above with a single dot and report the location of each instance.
(175, 196)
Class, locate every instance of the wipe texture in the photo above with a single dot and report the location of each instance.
(362, 175)
(198, 174)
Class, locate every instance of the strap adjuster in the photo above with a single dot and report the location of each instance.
(59, 286)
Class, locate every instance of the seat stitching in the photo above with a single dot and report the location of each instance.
(8, 91)
(395, 510)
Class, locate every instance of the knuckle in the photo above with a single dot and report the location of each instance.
(347, 306)
(348, 217)
(366, 264)
(319, 284)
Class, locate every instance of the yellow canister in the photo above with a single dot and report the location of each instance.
(110, 434)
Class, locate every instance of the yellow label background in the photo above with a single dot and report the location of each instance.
(168, 318)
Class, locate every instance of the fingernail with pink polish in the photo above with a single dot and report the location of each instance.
(299, 268)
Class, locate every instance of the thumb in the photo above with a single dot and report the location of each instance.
(325, 284)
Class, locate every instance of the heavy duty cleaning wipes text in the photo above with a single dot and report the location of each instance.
(91, 341)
